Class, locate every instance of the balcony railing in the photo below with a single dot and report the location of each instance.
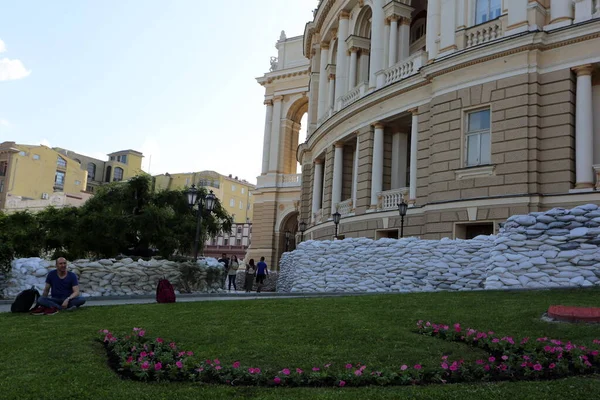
(318, 217)
(483, 33)
(353, 95)
(289, 180)
(345, 207)
(405, 68)
(390, 199)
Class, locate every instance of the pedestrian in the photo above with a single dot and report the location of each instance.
(250, 272)
(225, 270)
(64, 288)
(261, 273)
(232, 272)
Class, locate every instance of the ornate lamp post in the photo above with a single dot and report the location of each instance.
(204, 202)
(402, 208)
(302, 226)
(287, 240)
(336, 220)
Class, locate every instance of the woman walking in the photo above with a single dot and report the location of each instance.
(250, 271)
(232, 273)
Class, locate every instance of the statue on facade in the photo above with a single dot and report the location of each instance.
(273, 64)
(282, 37)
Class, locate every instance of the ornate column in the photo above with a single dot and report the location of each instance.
(433, 28)
(331, 92)
(584, 132)
(393, 58)
(404, 39)
(517, 17)
(353, 65)
(386, 42)
(355, 174)
(377, 172)
(448, 26)
(376, 41)
(275, 129)
(322, 108)
(341, 82)
(338, 167)
(414, 146)
(267, 138)
(399, 153)
(317, 191)
(561, 13)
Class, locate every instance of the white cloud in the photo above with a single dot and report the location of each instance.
(2, 46)
(12, 70)
(5, 123)
(45, 142)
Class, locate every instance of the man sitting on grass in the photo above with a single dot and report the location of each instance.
(65, 291)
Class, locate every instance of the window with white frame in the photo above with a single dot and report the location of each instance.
(36, 156)
(59, 179)
(478, 138)
(118, 174)
(241, 205)
(232, 203)
(233, 188)
(243, 190)
(61, 162)
(487, 10)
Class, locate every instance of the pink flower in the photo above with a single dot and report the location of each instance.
(547, 349)
(418, 366)
(404, 367)
(151, 354)
(537, 367)
(348, 366)
(200, 369)
(492, 359)
(524, 364)
(525, 357)
(444, 357)
(486, 367)
(145, 365)
(172, 345)
(190, 353)
(327, 365)
(594, 353)
(277, 380)
(285, 371)
(236, 364)
(104, 331)
(251, 370)
(179, 364)
(504, 357)
(141, 333)
(363, 368)
(316, 369)
(542, 339)
(157, 366)
(143, 354)
(299, 371)
(457, 327)
(495, 340)
(479, 362)
(136, 329)
(444, 365)
(218, 367)
(453, 367)
(552, 366)
(217, 362)
(257, 370)
(342, 383)
(358, 372)
(159, 340)
(129, 360)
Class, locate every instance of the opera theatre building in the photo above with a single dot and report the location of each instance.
(469, 111)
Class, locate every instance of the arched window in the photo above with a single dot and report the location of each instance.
(118, 174)
(91, 169)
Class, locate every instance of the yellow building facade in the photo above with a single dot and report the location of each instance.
(36, 172)
(235, 194)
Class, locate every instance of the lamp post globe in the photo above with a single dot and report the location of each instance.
(210, 201)
(192, 195)
(336, 220)
(402, 209)
(204, 202)
(302, 225)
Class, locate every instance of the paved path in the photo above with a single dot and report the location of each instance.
(183, 298)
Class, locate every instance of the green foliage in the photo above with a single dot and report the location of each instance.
(123, 217)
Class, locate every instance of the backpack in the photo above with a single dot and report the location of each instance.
(165, 292)
(25, 300)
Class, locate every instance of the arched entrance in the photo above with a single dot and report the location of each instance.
(286, 236)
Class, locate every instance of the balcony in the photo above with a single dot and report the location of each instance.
(319, 217)
(483, 33)
(354, 95)
(345, 207)
(390, 199)
(403, 69)
(289, 180)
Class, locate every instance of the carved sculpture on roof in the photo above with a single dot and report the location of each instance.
(282, 37)
(274, 64)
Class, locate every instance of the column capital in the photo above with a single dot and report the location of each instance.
(277, 98)
(344, 14)
(318, 161)
(268, 103)
(353, 49)
(324, 46)
(338, 145)
(332, 77)
(378, 124)
(414, 111)
(405, 21)
(583, 70)
(393, 17)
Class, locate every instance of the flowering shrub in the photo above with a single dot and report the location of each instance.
(139, 357)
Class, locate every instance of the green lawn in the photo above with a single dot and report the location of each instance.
(52, 357)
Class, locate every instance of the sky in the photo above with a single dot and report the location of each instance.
(174, 79)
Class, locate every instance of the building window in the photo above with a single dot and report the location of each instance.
(232, 203)
(239, 230)
(59, 179)
(187, 182)
(248, 206)
(233, 188)
(112, 158)
(243, 190)
(89, 188)
(477, 138)
(3, 168)
(77, 183)
(225, 241)
(122, 159)
(118, 174)
(241, 205)
(1, 186)
(22, 153)
(487, 10)
(36, 156)
(91, 169)
(61, 162)
(417, 30)
(472, 230)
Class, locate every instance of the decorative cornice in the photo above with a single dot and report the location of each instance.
(583, 70)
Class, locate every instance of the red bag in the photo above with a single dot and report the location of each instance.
(165, 292)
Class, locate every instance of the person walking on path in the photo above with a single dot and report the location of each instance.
(64, 287)
(261, 273)
(232, 272)
(250, 271)
(225, 262)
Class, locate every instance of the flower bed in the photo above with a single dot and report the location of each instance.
(136, 356)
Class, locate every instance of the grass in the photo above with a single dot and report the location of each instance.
(48, 357)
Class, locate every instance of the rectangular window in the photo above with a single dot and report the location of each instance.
(233, 188)
(78, 183)
(487, 10)
(1, 186)
(477, 138)
(22, 153)
(241, 205)
(36, 156)
(122, 159)
(61, 162)
(232, 203)
(225, 241)
(59, 179)
(3, 168)
(243, 190)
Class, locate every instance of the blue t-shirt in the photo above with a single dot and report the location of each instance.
(261, 268)
(61, 288)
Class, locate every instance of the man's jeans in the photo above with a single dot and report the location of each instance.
(55, 302)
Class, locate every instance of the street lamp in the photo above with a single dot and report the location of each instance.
(302, 225)
(204, 202)
(402, 208)
(336, 220)
(287, 240)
